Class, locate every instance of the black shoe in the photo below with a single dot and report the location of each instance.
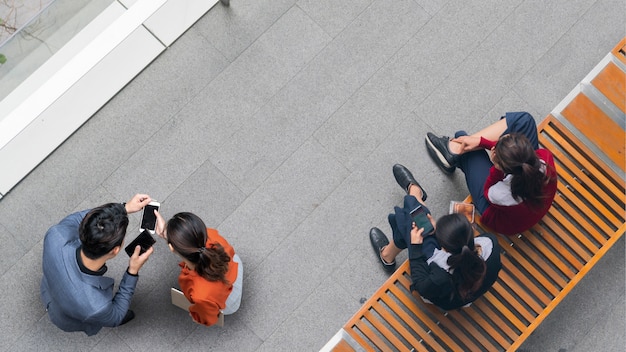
(439, 151)
(130, 315)
(405, 178)
(379, 240)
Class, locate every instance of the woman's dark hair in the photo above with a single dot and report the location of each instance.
(455, 234)
(516, 156)
(186, 232)
(102, 229)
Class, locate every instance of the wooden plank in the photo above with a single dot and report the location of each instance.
(602, 184)
(495, 317)
(343, 346)
(489, 326)
(564, 229)
(370, 334)
(611, 82)
(576, 149)
(598, 128)
(515, 272)
(516, 302)
(470, 327)
(619, 51)
(566, 290)
(418, 331)
(506, 312)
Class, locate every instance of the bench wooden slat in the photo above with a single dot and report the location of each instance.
(598, 127)
(495, 317)
(417, 329)
(514, 302)
(506, 312)
(442, 321)
(605, 181)
(517, 273)
(619, 51)
(489, 326)
(458, 320)
(380, 327)
(611, 82)
(562, 202)
(563, 229)
(369, 333)
(343, 346)
(520, 248)
(572, 176)
(523, 295)
(601, 252)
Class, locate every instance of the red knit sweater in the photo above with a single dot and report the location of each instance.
(511, 220)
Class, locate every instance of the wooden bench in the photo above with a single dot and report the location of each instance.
(540, 266)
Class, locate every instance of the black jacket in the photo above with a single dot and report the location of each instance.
(435, 284)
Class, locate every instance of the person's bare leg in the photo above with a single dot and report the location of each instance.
(416, 192)
(389, 252)
(491, 132)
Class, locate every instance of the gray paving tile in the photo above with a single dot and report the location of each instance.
(12, 251)
(496, 65)
(321, 315)
(233, 29)
(55, 339)
(158, 323)
(284, 200)
(21, 309)
(111, 342)
(333, 16)
(557, 73)
(231, 98)
(206, 193)
(269, 137)
(234, 336)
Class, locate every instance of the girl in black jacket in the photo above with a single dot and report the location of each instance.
(449, 268)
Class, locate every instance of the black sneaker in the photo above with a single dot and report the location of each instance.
(438, 149)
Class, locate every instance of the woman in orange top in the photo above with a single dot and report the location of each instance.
(212, 274)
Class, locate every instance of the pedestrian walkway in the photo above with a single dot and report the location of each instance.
(278, 123)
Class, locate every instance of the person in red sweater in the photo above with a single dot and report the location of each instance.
(512, 187)
(211, 273)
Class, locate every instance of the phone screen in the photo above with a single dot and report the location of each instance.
(148, 219)
(145, 240)
(421, 220)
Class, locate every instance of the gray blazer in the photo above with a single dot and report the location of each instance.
(76, 301)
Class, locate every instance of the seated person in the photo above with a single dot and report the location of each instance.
(514, 186)
(450, 268)
(211, 273)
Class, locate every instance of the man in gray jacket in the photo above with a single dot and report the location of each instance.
(74, 290)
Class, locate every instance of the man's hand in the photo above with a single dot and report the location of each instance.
(160, 226)
(137, 203)
(137, 261)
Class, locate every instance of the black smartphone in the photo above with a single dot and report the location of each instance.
(145, 240)
(421, 220)
(148, 219)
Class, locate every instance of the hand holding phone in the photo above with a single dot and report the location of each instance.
(144, 240)
(421, 220)
(148, 218)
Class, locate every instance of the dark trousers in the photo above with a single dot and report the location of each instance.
(476, 165)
